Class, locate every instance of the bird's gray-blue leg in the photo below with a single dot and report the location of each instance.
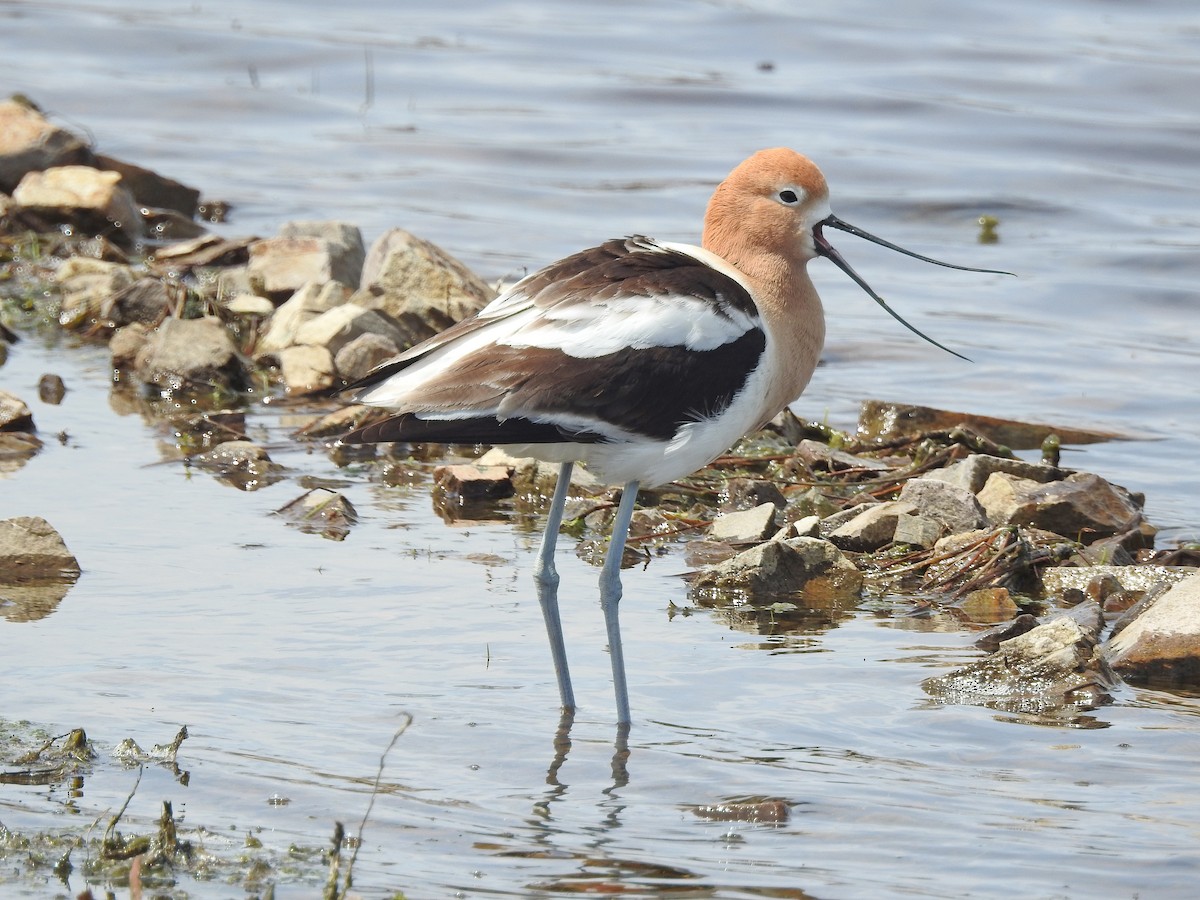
(610, 596)
(546, 577)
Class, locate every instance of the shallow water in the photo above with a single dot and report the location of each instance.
(512, 135)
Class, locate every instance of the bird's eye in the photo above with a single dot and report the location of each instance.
(788, 196)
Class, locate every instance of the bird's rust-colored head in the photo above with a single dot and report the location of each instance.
(774, 207)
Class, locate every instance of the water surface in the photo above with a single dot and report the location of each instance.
(511, 135)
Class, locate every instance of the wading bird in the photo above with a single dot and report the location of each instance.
(644, 359)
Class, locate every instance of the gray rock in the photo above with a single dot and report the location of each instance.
(991, 639)
(1051, 666)
(744, 526)
(306, 369)
(337, 327)
(419, 285)
(952, 506)
(1082, 507)
(973, 472)
(190, 354)
(1088, 615)
(919, 531)
(872, 528)
(1162, 644)
(834, 521)
(306, 252)
(363, 354)
(31, 550)
(310, 301)
(782, 567)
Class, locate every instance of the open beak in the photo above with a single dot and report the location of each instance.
(824, 248)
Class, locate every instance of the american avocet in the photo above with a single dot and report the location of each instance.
(645, 359)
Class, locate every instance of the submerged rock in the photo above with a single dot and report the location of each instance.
(240, 464)
(321, 511)
(782, 567)
(1051, 666)
(882, 421)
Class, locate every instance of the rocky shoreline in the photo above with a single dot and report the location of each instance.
(924, 512)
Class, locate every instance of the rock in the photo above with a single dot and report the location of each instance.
(917, 531)
(1088, 615)
(306, 304)
(950, 505)
(808, 526)
(208, 250)
(87, 198)
(190, 355)
(834, 521)
(321, 511)
(467, 482)
(1082, 507)
(361, 355)
(988, 605)
(973, 472)
(86, 284)
(782, 567)
(991, 639)
(419, 285)
(881, 421)
(306, 369)
(770, 811)
(744, 526)
(30, 143)
(345, 243)
(306, 252)
(822, 457)
(31, 550)
(1058, 580)
(51, 389)
(1051, 666)
(14, 414)
(872, 528)
(1162, 644)
(240, 464)
(151, 189)
(249, 305)
(146, 300)
(746, 493)
(337, 327)
(124, 346)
